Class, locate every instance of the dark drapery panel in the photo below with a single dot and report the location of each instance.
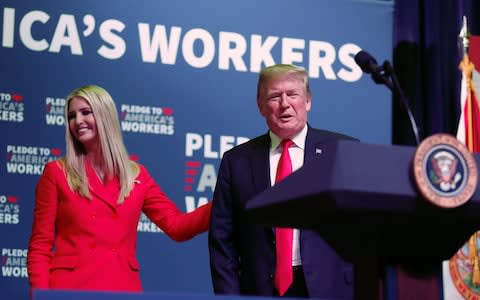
(426, 54)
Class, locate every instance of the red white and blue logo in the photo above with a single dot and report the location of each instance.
(11, 107)
(147, 119)
(29, 160)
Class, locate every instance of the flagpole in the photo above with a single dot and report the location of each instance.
(466, 67)
(465, 36)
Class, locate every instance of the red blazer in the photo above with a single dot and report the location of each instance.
(78, 243)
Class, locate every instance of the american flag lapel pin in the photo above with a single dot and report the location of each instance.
(318, 151)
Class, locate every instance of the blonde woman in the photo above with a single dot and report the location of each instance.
(88, 205)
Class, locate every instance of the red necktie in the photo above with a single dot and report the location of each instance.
(284, 236)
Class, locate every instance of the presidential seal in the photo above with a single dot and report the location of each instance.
(445, 172)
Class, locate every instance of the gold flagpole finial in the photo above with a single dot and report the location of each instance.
(465, 35)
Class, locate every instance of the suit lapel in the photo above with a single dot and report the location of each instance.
(313, 144)
(259, 164)
(260, 169)
(107, 192)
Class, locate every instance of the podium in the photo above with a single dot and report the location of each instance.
(362, 199)
(92, 295)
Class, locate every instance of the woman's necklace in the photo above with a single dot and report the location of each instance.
(100, 174)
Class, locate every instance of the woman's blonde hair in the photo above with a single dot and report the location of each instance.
(115, 156)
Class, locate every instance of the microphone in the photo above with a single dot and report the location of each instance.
(366, 62)
(384, 74)
(369, 65)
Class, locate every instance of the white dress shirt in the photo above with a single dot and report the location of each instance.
(296, 152)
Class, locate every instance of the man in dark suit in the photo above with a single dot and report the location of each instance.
(243, 254)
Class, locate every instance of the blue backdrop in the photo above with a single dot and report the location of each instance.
(183, 74)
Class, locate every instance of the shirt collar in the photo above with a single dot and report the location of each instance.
(298, 140)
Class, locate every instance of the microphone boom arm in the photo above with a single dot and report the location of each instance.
(390, 79)
(385, 74)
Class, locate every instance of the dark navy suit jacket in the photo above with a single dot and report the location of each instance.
(242, 253)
